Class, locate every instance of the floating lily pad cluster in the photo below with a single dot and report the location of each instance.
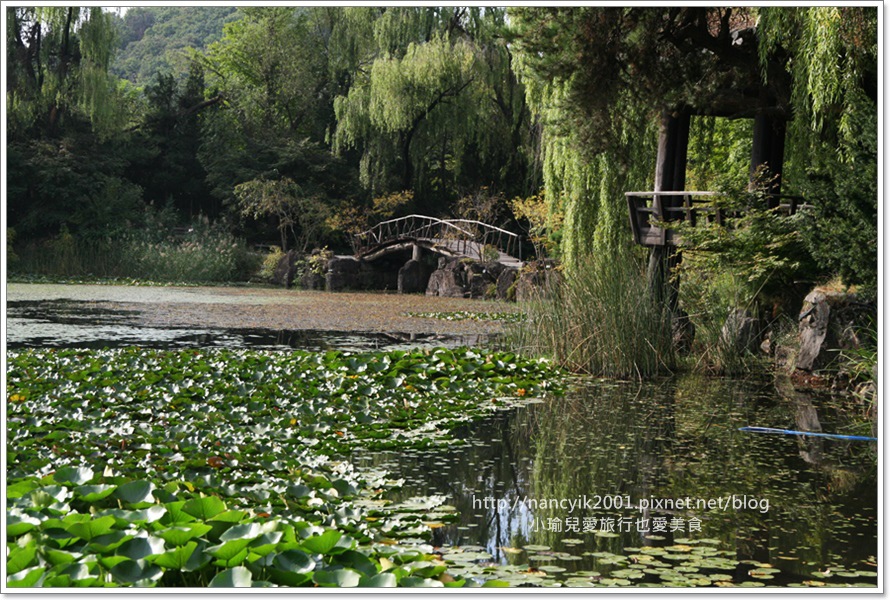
(506, 317)
(220, 467)
(684, 563)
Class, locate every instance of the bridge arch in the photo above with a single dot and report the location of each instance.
(449, 237)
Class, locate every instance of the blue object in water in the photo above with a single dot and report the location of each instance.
(834, 436)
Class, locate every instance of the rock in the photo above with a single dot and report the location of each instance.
(506, 290)
(449, 280)
(536, 277)
(286, 269)
(828, 322)
(342, 273)
(413, 278)
(741, 332)
(465, 278)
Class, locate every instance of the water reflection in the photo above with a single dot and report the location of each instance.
(679, 439)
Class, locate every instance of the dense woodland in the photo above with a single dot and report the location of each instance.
(298, 126)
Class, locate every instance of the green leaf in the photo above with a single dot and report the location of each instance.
(379, 580)
(358, 561)
(228, 550)
(294, 561)
(338, 578)
(135, 571)
(19, 523)
(20, 558)
(87, 530)
(109, 541)
(178, 536)
(25, 579)
(204, 508)
(141, 547)
(19, 489)
(138, 494)
(74, 475)
(93, 493)
(495, 583)
(174, 559)
(234, 577)
(289, 578)
(322, 544)
(60, 557)
(249, 531)
(175, 515)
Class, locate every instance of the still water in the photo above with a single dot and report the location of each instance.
(654, 483)
(615, 483)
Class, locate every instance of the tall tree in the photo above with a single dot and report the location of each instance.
(271, 68)
(65, 123)
(437, 110)
(831, 55)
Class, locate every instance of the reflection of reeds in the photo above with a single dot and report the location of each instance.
(600, 319)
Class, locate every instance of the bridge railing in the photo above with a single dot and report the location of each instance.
(463, 237)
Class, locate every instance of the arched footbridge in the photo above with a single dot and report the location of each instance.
(449, 237)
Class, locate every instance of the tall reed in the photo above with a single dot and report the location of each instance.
(600, 319)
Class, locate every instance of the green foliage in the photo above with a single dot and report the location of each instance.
(586, 169)
(719, 153)
(601, 321)
(270, 264)
(352, 219)
(303, 217)
(439, 110)
(206, 253)
(156, 39)
(58, 60)
(219, 467)
(762, 247)
(545, 223)
(834, 135)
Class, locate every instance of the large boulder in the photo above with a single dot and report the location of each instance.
(829, 321)
(465, 278)
(413, 278)
(285, 269)
(342, 273)
(449, 280)
(506, 288)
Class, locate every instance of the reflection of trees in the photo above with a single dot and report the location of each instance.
(605, 439)
(672, 440)
(807, 514)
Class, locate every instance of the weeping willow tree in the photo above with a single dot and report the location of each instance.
(599, 77)
(438, 110)
(830, 54)
(57, 69)
(66, 119)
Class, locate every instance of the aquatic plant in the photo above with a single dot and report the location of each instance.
(215, 467)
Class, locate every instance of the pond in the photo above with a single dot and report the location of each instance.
(595, 487)
(615, 483)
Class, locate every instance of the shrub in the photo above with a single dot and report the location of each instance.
(270, 264)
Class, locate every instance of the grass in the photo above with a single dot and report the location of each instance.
(207, 253)
(600, 320)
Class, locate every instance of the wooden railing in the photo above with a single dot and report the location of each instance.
(649, 210)
(460, 237)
